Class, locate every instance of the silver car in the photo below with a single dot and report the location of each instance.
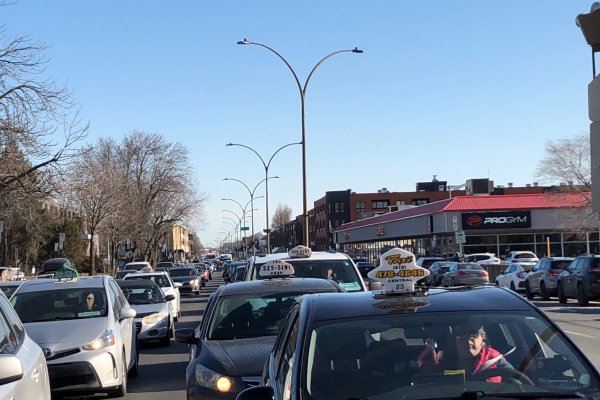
(23, 368)
(85, 328)
(153, 320)
(465, 274)
(166, 284)
(543, 278)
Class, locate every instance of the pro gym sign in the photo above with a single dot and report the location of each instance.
(496, 220)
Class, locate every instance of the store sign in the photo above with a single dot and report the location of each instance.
(496, 220)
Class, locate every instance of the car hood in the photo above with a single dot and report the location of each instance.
(241, 357)
(57, 335)
(142, 310)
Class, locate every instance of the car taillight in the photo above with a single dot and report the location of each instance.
(462, 273)
(552, 273)
(483, 273)
(596, 270)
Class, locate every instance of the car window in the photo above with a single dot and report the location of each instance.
(182, 272)
(524, 255)
(560, 264)
(249, 315)
(284, 374)
(145, 295)
(386, 349)
(13, 321)
(7, 339)
(53, 305)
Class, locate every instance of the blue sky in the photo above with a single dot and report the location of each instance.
(458, 89)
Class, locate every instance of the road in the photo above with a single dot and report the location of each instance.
(162, 369)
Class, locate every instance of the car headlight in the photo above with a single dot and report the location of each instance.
(194, 282)
(213, 380)
(106, 339)
(154, 318)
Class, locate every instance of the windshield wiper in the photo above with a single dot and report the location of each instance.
(522, 395)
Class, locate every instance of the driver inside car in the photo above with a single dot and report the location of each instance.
(471, 354)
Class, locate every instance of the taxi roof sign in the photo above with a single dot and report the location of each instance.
(300, 252)
(397, 271)
(276, 269)
(64, 273)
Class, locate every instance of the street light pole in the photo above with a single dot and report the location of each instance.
(302, 90)
(266, 165)
(251, 192)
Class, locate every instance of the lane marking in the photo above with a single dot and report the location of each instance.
(580, 334)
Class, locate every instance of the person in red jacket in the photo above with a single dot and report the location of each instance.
(473, 354)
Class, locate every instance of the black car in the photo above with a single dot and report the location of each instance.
(581, 280)
(229, 269)
(241, 321)
(406, 346)
(437, 269)
(189, 277)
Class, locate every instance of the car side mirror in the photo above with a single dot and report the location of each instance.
(126, 312)
(11, 369)
(186, 335)
(257, 393)
(177, 284)
(373, 285)
(169, 297)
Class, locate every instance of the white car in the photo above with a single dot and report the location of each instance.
(522, 257)
(514, 276)
(481, 258)
(23, 368)
(85, 327)
(162, 279)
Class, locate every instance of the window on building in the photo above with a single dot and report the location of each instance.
(360, 206)
(380, 204)
(419, 202)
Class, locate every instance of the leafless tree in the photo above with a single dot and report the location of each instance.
(282, 215)
(33, 110)
(567, 161)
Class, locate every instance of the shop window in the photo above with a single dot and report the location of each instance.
(541, 250)
(483, 239)
(574, 237)
(575, 249)
(515, 239)
(541, 237)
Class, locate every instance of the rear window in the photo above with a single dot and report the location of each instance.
(525, 255)
(560, 264)
(473, 267)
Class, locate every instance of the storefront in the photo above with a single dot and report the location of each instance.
(547, 224)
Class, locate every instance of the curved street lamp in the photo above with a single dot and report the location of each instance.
(266, 165)
(302, 90)
(251, 193)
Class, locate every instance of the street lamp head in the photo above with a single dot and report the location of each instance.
(229, 144)
(245, 41)
(357, 50)
(590, 26)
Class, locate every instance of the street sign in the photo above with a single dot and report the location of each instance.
(61, 237)
(454, 223)
(55, 246)
(460, 237)
(244, 228)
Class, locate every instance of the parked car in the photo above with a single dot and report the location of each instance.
(153, 319)
(437, 270)
(481, 258)
(164, 281)
(543, 278)
(513, 276)
(23, 367)
(426, 262)
(85, 328)
(581, 280)
(522, 257)
(465, 274)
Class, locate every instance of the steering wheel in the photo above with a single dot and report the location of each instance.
(511, 375)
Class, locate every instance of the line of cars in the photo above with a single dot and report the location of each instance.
(402, 342)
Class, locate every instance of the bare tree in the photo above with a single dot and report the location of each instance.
(567, 161)
(33, 109)
(282, 215)
(95, 183)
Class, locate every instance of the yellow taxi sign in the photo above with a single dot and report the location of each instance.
(276, 269)
(397, 271)
(300, 252)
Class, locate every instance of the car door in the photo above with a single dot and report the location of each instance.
(504, 277)
(125, 326)
(35, 383)
(569, 282)
(534, 276)
(280, 371)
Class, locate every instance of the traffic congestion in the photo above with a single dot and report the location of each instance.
(298, 325)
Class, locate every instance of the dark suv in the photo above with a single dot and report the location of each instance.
(581, 280)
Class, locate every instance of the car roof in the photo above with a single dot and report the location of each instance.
(316, 255)
(491, 299)
(12, 283)
(55, 284)
(155, 273)
(277, 285)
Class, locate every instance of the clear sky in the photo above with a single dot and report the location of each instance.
(458, 89)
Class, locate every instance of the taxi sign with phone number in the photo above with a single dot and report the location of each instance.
(397, 271)
(276, 269)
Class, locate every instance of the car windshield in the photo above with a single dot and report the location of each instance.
(53, 305)
(160, 280)
(428, 356)
(341, 271)
(143, 295)
(122, 274)
(247, 316)
(182, 272)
